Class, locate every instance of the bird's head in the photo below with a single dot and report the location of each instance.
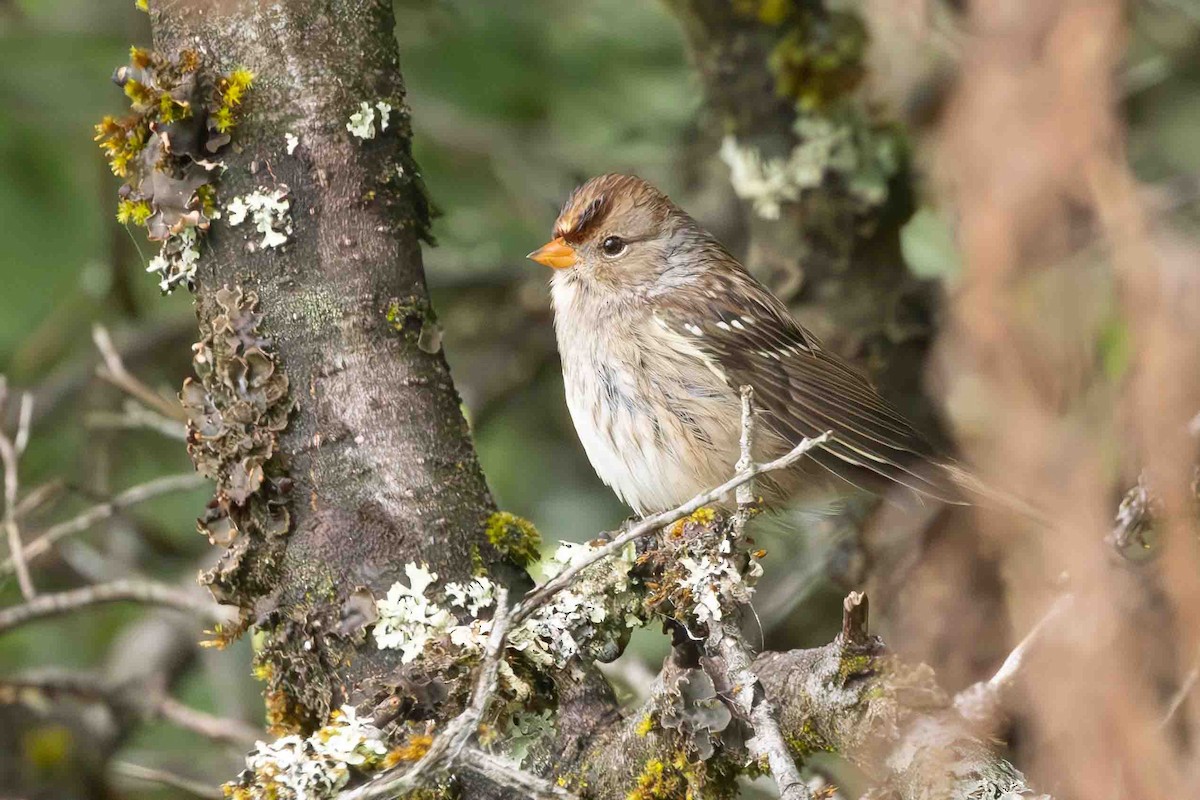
(617, 230)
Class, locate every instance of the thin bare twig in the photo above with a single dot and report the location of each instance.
(37, 687)
(137, 417)
(745, 492)
(91, 688)
(652, 523)
(24, 423)
(981, 702)
(102, 511)
(1185, 688)
(50, 605)
(10, 455)
(735, 658)
(507, 775)
(193, 787)
(115, 373)
(210, 726)
(39, 496)
(767, 742)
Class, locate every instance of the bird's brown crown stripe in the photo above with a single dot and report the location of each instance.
(574, 225)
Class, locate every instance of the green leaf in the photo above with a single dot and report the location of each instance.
(928, 246)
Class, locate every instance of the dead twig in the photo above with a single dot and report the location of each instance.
(1181, 695)
(981, 703)
(139, 591)
(654, 522)
(103, 511)
(507, 775)
(115, 373)
(87, 687)
(137, 417)
(191, 786)
(10, 455)
(735, 660)
(219, 729)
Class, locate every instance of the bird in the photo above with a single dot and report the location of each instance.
(658, 328)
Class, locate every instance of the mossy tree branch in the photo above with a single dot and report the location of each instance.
(850, 698)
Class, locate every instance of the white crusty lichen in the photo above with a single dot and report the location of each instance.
(385, 109)
(362, 122)
(176, 261)
(844, 144)
(585, 620)
(312, 768)
(588, 618)
(410, 620)
(709, 571)
(268, 209)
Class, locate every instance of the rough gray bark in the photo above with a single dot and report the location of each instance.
(383, 468)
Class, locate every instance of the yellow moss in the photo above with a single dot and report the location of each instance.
(705, 515)
(134, 212)
(515, 537)
(139, 57)
(46, 747)
(230, 91)
(645, 726)
(224, 119)
(852, 664)
(662, 780)
(820, 58)
(207, 195)
(478, 568)
(806, 741)
(768, 12)
(142, 5)
(413, 749)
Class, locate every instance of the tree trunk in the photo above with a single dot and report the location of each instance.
(378, 453)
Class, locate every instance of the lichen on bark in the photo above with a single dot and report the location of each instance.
(237, 406)
(167, 148)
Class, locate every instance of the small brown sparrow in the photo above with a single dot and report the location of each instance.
(658, 328)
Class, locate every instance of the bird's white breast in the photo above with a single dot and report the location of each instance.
(658, 424)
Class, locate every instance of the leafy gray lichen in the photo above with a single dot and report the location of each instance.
(237, 406)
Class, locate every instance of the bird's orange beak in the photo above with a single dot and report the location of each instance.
(556, 254)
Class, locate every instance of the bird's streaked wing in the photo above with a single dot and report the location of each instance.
(802, 389)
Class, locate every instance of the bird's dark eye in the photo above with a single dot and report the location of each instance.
(613, 246)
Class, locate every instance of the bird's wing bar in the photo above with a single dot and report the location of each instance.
(805, 390)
